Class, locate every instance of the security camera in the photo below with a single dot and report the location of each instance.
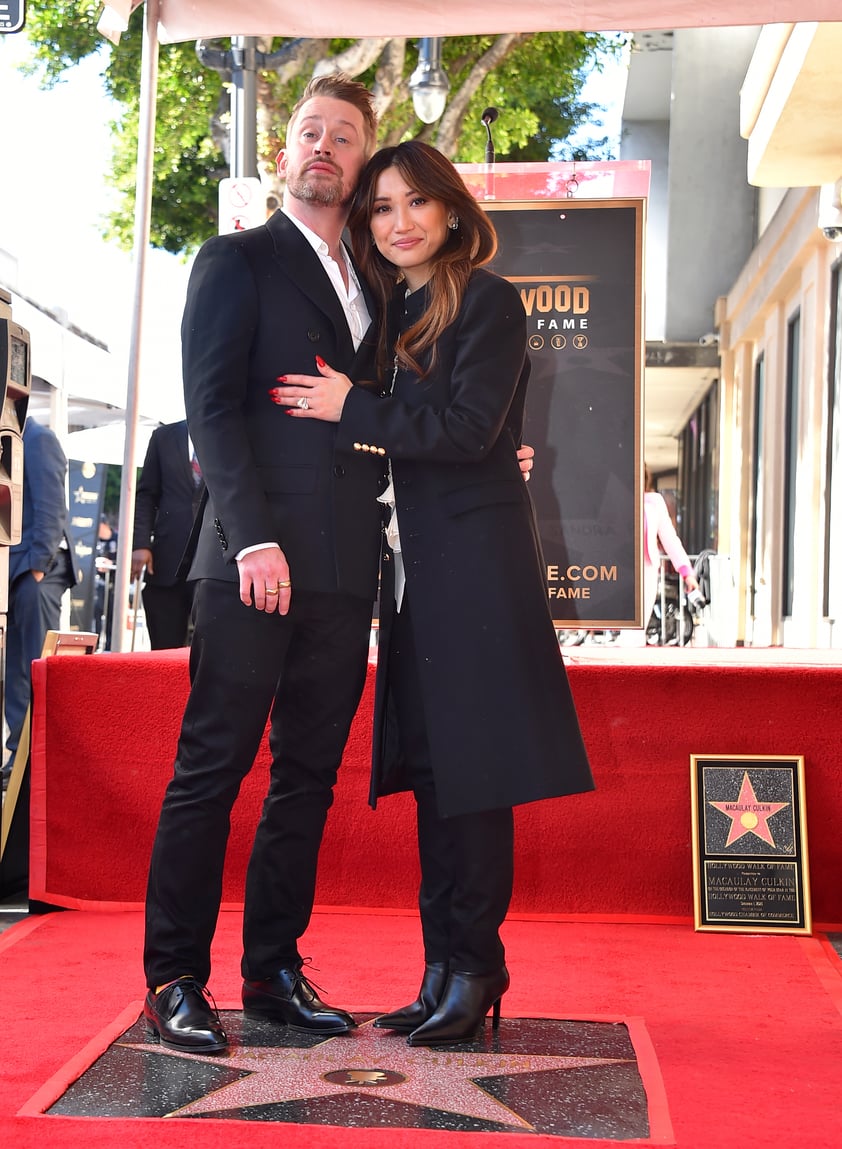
(709, 340)
(830, 211)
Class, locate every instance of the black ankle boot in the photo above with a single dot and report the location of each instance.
(461, 1012)
(411, 1016)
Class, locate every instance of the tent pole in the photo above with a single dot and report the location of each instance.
(142, 217)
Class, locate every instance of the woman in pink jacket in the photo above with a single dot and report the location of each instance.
(659, 534)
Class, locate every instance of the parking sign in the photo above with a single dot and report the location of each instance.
(242, 203)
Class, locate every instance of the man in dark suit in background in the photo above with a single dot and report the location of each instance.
(286, 566)
(41, 569)
(168, 495)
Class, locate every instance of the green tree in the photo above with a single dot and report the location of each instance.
(509, 72)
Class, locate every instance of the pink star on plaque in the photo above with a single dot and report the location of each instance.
(749, 815)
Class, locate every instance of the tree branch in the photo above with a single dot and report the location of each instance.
(355, 59)
(450, 125)
(388, 80)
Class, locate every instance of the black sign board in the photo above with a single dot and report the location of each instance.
(12, 15)
(750, 844)
(577, 265)
(87, 489)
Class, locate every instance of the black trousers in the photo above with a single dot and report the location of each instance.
(466, 861)
(168, 610)
(34, 608)
(308, 670)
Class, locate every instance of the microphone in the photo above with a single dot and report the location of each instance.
(488, 118)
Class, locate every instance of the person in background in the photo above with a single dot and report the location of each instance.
(105, 563)
(473, 710)
(169, 492)
(41, 569)
(658, 533)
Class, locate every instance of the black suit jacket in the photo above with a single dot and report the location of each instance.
(166, 501)
(259, 305)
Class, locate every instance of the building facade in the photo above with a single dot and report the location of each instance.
(745, 258)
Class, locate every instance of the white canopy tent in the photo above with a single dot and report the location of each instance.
(190, 19)
(107, 442)
(178, 20)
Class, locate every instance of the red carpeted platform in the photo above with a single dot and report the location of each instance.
(105, 728)
(742, 1049)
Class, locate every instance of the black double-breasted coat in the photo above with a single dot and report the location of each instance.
(501, 724)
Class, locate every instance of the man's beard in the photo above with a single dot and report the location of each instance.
(326, 194)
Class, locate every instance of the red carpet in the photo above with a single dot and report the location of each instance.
(105, 729)
(746, 1031)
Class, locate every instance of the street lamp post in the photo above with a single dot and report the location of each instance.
(244, 65)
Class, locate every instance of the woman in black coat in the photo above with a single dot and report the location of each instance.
(473, 711)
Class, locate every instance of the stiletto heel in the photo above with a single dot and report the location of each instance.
(416, 1013)
(462, 1010)
(495, 1014)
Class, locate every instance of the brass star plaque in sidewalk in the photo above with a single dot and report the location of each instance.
(567, 1078)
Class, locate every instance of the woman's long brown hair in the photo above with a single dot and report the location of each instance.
(471, 245)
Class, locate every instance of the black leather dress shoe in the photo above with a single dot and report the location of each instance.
(182, 1017)
(461, 1012)
(288, 997)
(416, 1013)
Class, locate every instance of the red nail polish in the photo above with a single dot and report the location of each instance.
(320, 361)
(281, 379)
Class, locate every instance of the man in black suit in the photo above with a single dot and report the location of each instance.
(41, 569)
(286, 558)
(168, 494)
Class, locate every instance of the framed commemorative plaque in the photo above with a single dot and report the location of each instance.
(750, 864)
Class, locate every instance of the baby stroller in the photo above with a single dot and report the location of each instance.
(673, 617)
(671, 622)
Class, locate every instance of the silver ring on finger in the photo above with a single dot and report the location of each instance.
(303, 404)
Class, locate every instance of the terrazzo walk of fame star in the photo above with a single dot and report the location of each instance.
(540, 1075)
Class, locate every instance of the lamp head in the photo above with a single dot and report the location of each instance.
(429, 84)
